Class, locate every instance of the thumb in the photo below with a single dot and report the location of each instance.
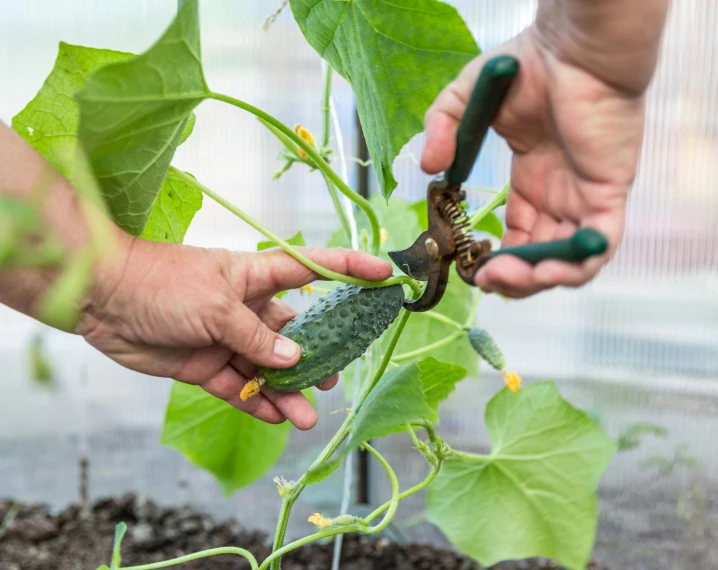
(246, 335)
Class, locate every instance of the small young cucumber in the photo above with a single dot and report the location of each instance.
(487, 349)
(333, 332)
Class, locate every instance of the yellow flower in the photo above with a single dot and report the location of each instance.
(306, 136)
(307, 288)
(512, 381)
(383, 234)
(320, 521)
(250, 389)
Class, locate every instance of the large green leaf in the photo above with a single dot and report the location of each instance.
(402, 221)
(50, 122)
(133, 115)
(397, 55)
(235, 447)
(535, 495)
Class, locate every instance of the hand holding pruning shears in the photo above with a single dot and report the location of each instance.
(573, 117)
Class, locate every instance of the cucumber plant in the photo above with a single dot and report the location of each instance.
(112, 121)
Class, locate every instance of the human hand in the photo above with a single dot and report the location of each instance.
(574, 121)
(209, 317)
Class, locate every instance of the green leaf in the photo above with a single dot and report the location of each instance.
(403, 223)
(174, 209)
(235, 447)
(297, 239)
(323, 470)
(50, 121)
(438, 380)
(396, 55)
(490, 224)
(120, 531)
(406, 394)
(188, 128)
(535, 495)
(133, 115)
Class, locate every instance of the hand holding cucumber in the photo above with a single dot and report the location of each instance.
(209, 317)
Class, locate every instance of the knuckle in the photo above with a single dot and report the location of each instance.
(258, 340)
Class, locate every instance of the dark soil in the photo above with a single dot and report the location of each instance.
(71, 540)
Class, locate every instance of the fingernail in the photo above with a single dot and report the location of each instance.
(285, 348)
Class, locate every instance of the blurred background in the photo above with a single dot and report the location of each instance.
(639, 344)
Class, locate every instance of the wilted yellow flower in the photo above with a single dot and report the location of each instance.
(320, 521)
(306, 136)
(512, 380)
(283, 486)
(307, 288)
(250, 389)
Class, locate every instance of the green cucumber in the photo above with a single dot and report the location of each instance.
(333, 332)
(487, 348)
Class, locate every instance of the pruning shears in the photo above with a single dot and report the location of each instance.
(448, 237)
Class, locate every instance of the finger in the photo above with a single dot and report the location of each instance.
(504, 274)
(545, 228)
(276, 314)
(274, 270)
(294, 406)
(514, 278)
(227, 385)
(245, 334)
(329, 384)
(521, 217)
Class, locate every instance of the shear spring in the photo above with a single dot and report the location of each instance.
(460, 228)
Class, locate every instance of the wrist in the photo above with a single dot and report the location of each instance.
(109, 271)
(617, 41)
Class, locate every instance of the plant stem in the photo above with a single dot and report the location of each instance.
(289, 248)
(338, 207)
(442, 319)
(318, 160)
(198, 556)
(332, 446)
(326, 104)
(498, 200)
(415, 489)
(474, 309)
(403, 318)
(473, 456)
(391, 507)
(428, 348)
(393, 503)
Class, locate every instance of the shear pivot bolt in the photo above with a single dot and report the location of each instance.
(432, 248)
